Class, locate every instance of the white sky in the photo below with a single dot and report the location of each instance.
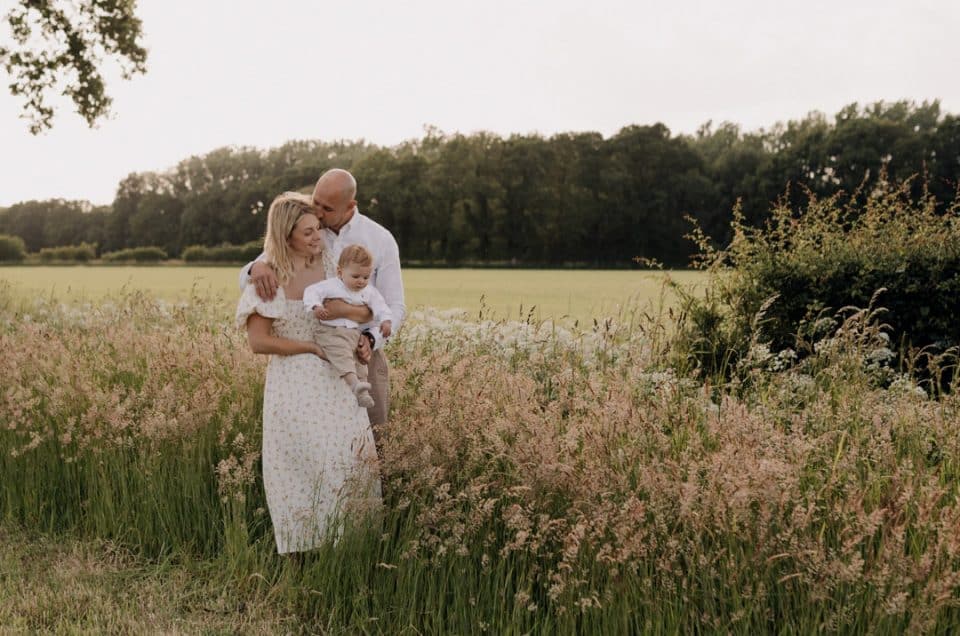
(261, 73)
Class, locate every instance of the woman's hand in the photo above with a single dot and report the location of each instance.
(317, 350)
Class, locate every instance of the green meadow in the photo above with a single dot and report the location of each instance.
(499, 293)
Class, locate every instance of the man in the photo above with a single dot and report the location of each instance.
(334, 197)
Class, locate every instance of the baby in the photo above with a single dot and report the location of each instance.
(339, 337)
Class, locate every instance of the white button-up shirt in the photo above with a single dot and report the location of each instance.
(362, 230)
(315, 294)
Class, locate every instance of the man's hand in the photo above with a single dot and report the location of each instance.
(264, 279)
(363, 349)
(386, 327)
(322, 312)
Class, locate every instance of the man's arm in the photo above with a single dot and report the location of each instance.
(376, 302)
(342, 309)
(262, 276)
(390, 282)
(245, 272)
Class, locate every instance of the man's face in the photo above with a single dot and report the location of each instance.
(333, 208)
(355, 276)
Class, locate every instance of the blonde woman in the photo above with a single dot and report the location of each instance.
(318, 448)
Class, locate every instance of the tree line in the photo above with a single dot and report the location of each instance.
(571, 198)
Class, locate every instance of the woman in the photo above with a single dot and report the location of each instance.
(318, 449)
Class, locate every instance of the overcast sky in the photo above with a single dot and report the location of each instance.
(261, 73)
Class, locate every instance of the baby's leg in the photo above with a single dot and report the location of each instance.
(340, 349)
(350, 379)
(340, 346)
(360, 388)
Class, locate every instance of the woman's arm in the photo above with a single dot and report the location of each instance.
(262, 341)
(342, 309)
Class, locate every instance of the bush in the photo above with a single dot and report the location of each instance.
(136, 254)
(12, 248)
(225, 253)
(789, 283)
(83, 253)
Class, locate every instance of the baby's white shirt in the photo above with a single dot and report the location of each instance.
(334, 288)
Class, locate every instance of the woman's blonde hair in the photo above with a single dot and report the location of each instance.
(284, 213)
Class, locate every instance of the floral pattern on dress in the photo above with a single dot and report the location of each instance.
(319, 455)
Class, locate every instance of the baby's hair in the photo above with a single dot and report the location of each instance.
(355, 254)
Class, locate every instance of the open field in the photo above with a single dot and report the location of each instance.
(580, 294)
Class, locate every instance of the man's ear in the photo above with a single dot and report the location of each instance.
(352, 205)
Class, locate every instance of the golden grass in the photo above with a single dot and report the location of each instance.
(64, 585)
(538, 479)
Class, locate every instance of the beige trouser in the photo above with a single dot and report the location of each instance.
(339, 344)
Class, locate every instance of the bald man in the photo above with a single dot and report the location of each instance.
(335, 199)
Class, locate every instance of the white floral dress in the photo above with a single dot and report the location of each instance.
(319, 457)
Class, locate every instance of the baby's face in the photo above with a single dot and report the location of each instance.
(355, 277)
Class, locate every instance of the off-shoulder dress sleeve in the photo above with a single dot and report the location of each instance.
(250, 304)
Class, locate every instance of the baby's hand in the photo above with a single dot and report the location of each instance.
(321, 312)
(386, 328)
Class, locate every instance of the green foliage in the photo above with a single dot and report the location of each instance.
(12, 248)
(59, 46)
(82, 253)
(225, 253)
(135, 254)
(790, 283)
(574, 198)
(54, 222)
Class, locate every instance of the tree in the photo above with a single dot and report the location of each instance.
(575, 197)
(61, 45)
(53, 222)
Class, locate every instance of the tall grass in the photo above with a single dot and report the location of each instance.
(537, 479)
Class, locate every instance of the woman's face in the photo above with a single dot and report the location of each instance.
(306, 239)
